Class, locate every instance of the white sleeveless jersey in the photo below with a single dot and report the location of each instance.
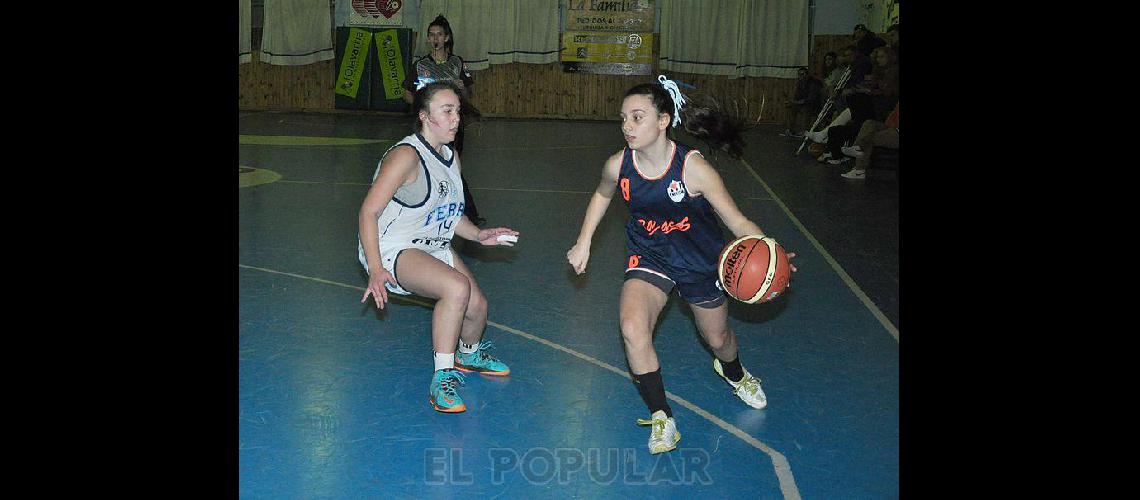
(427, 223)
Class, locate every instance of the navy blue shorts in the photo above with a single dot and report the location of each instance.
(705, 294)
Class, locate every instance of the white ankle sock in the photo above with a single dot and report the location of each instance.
(467, 349)
(444, 360)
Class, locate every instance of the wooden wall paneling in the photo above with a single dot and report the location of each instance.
(533, 90)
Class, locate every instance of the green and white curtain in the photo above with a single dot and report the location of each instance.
(734, 37)
(245, 29)
(296, 32)
(490, 32)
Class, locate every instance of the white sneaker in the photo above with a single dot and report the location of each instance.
(664, 436)
(824, 157)
(748, 389)
(856, 173)
(820, 137)
(852, 151)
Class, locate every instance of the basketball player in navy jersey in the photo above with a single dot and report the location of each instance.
(407, 221)
(673, 241)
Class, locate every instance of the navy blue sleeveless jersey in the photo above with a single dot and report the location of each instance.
(678, 233)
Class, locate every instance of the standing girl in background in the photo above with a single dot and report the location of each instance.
(443, 65)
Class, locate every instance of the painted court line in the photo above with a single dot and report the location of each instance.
(834, 265)
(779, 462)
(299, 140)
(327, 182)
(544, 148)
(296, 140)
(553, 191)
(556, 191)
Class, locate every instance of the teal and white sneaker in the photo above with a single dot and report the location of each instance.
(441, 393)
(481, 361)
(664, 436)
(748, 389)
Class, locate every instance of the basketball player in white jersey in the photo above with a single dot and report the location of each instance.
(407, 221)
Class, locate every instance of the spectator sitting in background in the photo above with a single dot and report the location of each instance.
(805, 105)
(892, 38)
(877, 95)
(872, 99)
(873, 133)
(861, 66)
(865, 41)
(866, 96)
(849, 60)
(831, 71)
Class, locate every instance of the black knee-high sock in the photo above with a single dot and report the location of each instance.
(652, 391)
(732, 369)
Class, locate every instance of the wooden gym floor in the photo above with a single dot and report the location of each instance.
(332, 393)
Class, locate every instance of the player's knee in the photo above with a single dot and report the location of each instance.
(635, 331)
(477, 306)
(717, 340)
(456, 288)
(717, 337)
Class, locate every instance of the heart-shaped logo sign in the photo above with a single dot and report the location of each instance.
(390, 7)
(363, 6)
(367, 8)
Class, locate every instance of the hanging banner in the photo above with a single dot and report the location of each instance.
(618, 15)
(607, 53)
(372, 13)
(389, 67)
(391, 63)
(353, 62)
(609, 37)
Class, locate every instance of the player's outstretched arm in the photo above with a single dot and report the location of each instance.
(579, 254)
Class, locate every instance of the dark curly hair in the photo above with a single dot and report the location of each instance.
(701, 120)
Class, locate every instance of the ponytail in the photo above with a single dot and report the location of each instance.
(703, 120)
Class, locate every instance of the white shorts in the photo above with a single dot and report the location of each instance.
(390, 253)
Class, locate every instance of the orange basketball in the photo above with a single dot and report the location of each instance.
(816, 149)
(748, 271)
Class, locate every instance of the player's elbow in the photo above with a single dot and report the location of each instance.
(368, 214)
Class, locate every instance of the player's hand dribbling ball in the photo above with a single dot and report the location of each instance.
(749, 273)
